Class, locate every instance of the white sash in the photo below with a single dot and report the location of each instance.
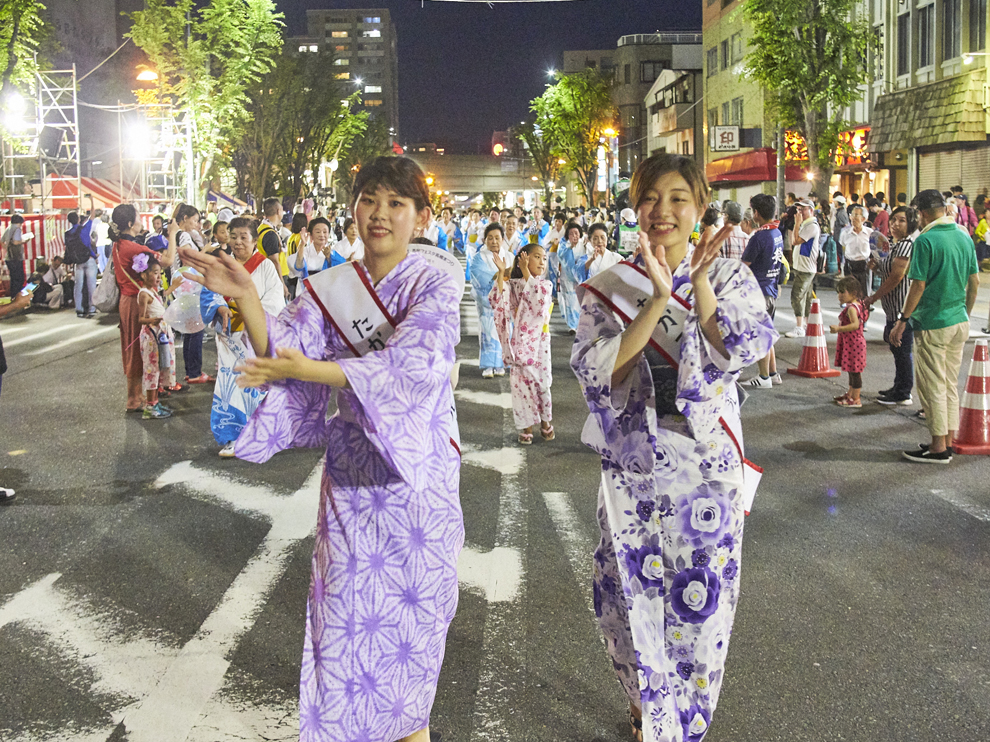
(349, 302)
(625, 289)
(440, 259)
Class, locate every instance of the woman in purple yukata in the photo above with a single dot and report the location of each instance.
(384, 582)
(666, 572)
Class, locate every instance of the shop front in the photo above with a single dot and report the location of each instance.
(740, 177)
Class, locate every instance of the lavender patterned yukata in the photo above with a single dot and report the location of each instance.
(666, 572)
(384, 584)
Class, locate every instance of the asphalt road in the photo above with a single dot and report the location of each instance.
(152, 591)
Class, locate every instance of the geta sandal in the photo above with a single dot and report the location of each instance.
(547, 433)
(525, 439)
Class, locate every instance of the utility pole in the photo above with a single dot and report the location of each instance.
(781, 170)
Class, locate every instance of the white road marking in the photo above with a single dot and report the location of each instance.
(501, 399)
(501, 648)
(38, 335)
(170, 711)
(970, 508)
(496, 573)
(70, 341)
(578, 548)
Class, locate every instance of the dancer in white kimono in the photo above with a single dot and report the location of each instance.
(571, 259)
(660, 344)
(232, 405)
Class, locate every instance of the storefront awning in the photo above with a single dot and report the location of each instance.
(750, 167)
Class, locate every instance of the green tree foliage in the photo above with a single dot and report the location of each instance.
(208, 57)
(296, 120)
(374, 142)
(545, 158)
(810, 57)
(573, 115)
(22, 29)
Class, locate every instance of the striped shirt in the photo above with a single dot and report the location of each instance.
(735, 244)
(893, 300)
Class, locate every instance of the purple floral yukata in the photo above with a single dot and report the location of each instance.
(666, 572)
(384, 585)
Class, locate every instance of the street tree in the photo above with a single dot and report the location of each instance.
(810, 57)
(573, 114)
(545, 158)
(22, 29)
(298, 117)
(373, 142)
(208, 56)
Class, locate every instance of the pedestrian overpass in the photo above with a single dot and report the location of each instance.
(474, 174)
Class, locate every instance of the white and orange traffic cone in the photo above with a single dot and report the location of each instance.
(973, 436)
(814, 356)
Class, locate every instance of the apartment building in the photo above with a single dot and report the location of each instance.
(676, 114)
(930, 124)
(364, 46)
(635, 64)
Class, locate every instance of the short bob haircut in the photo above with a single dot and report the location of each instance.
(398, 174)
(572, 225)
(243, 222)
(651, 169)
(299, 222)
(597, 227)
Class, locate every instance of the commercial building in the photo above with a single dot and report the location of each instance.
(676, 116)
(636, 63)
(364, 46)
(930, 128)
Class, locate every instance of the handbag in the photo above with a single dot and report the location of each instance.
(106, 298)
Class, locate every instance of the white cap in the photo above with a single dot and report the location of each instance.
(225, 215)
(627, 215)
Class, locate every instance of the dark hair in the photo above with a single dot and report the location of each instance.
(710, 217)
(880, 196)
(299, 222)
(854, 196)
(269, 207)
(316, 221)
(17, 219)
(399, 174)
(837, 193)
(901, 197)
(764, 205)
(871, 202)
(956, 189)
(492, 227)
(347, 224)
(653, 167)
(868, 196)
(929, 200)
(184, 211)
(447, 208)
(597, 227)
(791, 195)
(849, 285)
(121, 219)
(220, 223)
(572, 225)
(910, 214)
(242, 222)
(947, 195)
(421, 240)
(152, 262)
(560, 216)
(73, 218)
(158, 216)
(526, 249)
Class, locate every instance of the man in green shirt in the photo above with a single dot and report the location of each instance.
(944, 281)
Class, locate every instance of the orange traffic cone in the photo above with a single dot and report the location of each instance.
(814, 355)
(973, 436)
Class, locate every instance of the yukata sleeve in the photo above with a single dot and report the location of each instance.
(501, 302)
(742, 318)
(293, 414)
(618, 427)
(404, 389)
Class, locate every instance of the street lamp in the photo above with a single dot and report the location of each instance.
(147, 75)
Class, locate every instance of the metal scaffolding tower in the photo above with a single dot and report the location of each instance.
(156, 143)
(48, 134)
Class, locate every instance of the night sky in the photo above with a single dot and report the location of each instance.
(467, 69)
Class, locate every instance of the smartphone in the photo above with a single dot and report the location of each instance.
(27, 290)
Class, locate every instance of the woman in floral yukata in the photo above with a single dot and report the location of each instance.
(666, 572)
(384, 581)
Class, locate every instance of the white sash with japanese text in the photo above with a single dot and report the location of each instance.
(625, 289)
(349, 302)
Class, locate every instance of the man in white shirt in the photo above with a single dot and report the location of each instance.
(735, 243)
(804, 263)
(855, 241)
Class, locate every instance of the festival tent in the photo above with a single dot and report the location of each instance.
(106, 193)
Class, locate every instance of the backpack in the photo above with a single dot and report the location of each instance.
(76, 252)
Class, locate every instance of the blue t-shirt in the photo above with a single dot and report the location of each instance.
(764, 252)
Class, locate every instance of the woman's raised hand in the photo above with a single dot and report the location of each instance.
(499, 263)
(707, 250)
(656, 266)
(222, 274)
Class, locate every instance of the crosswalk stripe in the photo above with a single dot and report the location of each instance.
(38, 335)
(70, 341)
